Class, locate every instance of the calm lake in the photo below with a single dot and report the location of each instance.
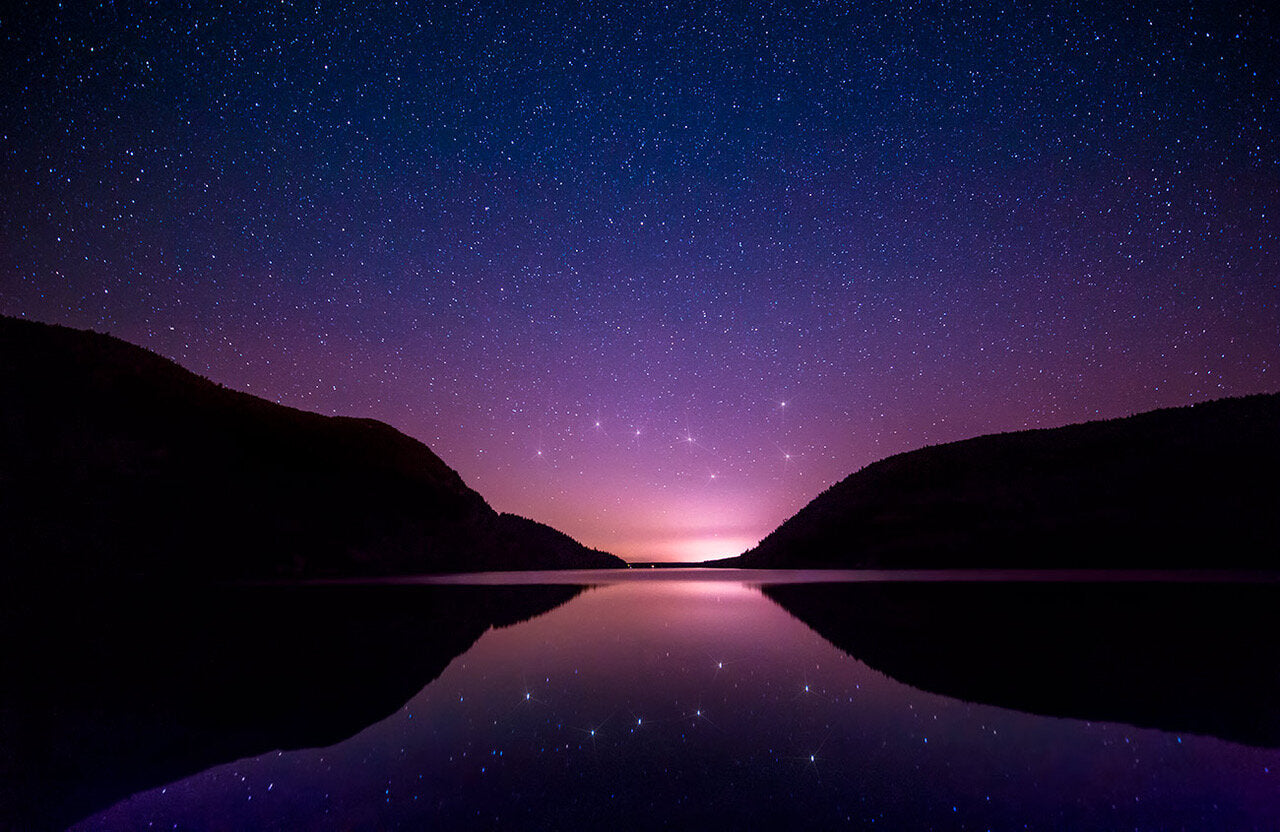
(654, 699)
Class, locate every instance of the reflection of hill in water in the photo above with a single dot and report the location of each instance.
(107, 696)
(1200, 658)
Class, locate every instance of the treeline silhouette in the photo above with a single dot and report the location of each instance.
(115, 462)
(1185, 487)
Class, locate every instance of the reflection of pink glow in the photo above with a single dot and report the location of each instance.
(661, 614)
(716, 590)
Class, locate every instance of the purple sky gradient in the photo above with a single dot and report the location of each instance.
(657, 277)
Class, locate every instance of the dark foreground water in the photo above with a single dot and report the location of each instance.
(668, 700)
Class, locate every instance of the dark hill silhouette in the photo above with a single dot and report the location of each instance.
(106, 694)
(116, 462)
(1185, 487)
(1193, 657)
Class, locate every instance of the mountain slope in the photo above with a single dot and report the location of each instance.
(117, 462)
(1192, 486)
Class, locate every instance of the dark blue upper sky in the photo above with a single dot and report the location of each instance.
(657, 275)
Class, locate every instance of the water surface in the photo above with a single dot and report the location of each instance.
(689, 700)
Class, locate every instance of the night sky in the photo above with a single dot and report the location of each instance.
(658, 275)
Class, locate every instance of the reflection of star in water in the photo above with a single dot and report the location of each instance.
(591, 731)
(721, 664)
(810, 760)
(699, 716)
(527, 694)
(810, 691)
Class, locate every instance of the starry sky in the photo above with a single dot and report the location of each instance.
(658, 273)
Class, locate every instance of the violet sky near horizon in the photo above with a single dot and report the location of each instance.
(658, 273)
